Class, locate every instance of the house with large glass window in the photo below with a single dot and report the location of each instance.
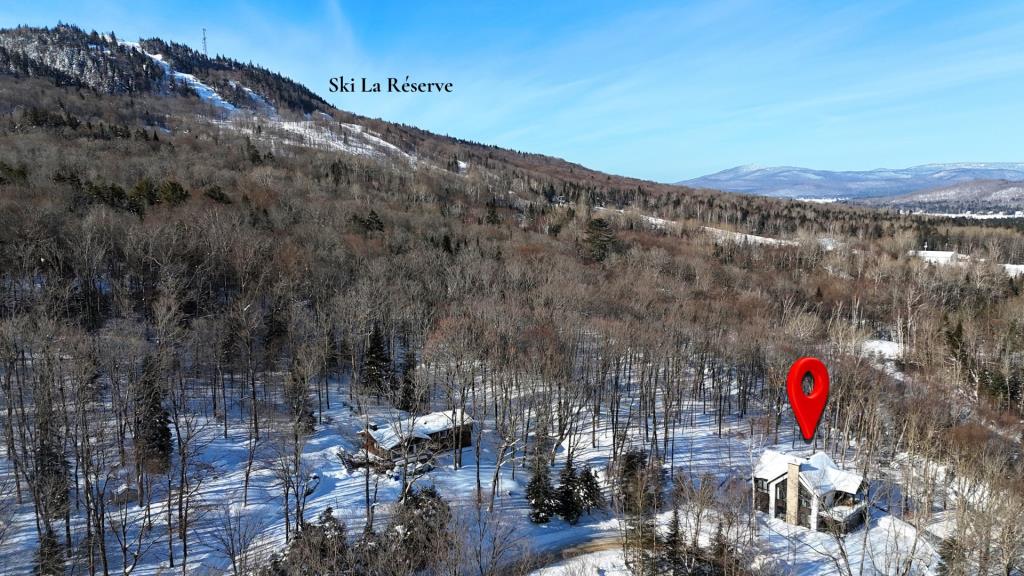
(812, 492)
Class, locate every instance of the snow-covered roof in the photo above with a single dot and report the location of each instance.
(420, 427)
(773, 464)
(818, 471)
(842, 513)
(824, 475)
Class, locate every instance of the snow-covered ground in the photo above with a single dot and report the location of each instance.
(949, 257)
(822, 200)
(604, 563)
(884, 355)
(939, 256)
(883, 349)
(697, 449)
(738, 237)
(321, 134)
(261, 103)
(652, 221)
(976, 215)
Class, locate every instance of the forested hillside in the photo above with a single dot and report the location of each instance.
(198, 316)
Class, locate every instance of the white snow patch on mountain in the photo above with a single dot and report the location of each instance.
(261, 103)
(204, 92)
(373, 138)
(741, 238)
(319, 134)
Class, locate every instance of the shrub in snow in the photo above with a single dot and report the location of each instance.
(320, 548)
(419, 531)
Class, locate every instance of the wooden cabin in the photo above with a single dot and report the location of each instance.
(424, 434)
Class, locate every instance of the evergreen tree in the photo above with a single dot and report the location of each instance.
(52, 476)
(152, 424)
(570, 506)
(600, 239)
(172, 193)
(639, 543)
(492, 216)
(376, 375)
(252, 152)
(723, 553)
(216, 194)
(952, 558)
(420, 524)
(408, 398)
(590, 490)
(719, 546)
(320, 548)
(373, 222)
(674, 544)
(296, 397)
(539, 492)
(639, 483)
(51, 473)
(145, 191)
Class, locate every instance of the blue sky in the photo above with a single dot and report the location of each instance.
(658, 90)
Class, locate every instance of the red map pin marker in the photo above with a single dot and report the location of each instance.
(807, 407)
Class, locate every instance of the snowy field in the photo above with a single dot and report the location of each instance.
(605, 563)
(950, 258)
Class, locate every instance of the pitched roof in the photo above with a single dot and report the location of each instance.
(818, 471)
(822, 473)
(773, 464)
(418, 427)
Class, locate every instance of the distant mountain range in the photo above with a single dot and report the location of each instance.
(973, 196)
(947, 180)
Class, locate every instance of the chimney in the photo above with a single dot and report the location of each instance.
(793, 493)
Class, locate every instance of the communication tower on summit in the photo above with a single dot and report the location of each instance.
(204, 44)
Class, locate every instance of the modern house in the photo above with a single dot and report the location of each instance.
(427, 433)
(811, 492)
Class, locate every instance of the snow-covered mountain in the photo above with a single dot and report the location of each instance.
(972, 196)
(794, 182)
(70, 56)
(262, 104)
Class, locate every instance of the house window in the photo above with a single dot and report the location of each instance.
(843, 499)
(780, 500)
(804, 507)
(761, 494)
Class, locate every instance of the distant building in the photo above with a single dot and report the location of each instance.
(428, 433)
(810, 492)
